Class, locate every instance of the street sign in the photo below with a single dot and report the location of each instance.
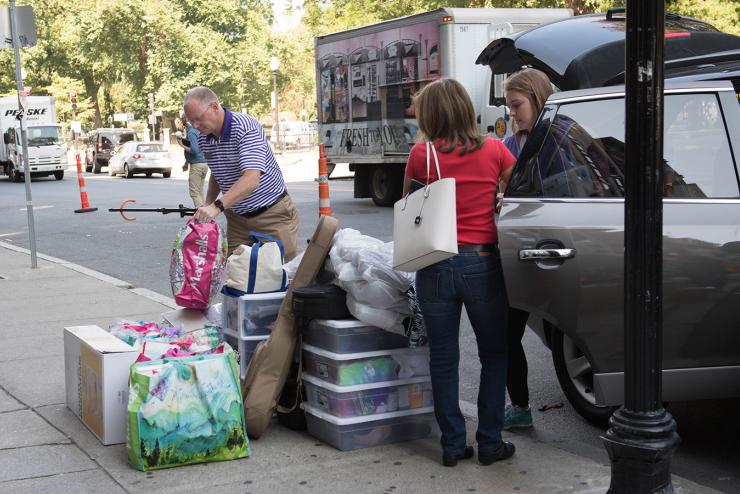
(120, 117)
(152, 120)
(26, 27)
(76, 126)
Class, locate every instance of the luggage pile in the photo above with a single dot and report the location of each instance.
(363, 386)
(191, 388)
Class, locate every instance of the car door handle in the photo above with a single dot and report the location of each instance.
(540, 254)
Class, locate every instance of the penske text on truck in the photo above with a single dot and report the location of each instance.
(367, 77)
(47, 153)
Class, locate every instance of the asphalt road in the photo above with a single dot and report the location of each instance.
(139, 252)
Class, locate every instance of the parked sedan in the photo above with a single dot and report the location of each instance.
(134, 158)
(561, 234)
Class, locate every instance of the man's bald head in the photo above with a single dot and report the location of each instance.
(203, 95)
(203, 110)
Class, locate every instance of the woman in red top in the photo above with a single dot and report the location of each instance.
(473, 277)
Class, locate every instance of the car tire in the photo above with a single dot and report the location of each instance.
(59, 175)
(127, 171)
(88, 164)
(166, 174)
(386, 184)
(575, 375)
(97, 167)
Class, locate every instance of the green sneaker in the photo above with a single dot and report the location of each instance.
(517, 417)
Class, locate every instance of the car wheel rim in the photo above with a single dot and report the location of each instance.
(579, 370)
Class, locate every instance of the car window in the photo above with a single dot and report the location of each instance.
(149, 148)
(126, 138)
(111, 140)
(698, 162)
(582, 154)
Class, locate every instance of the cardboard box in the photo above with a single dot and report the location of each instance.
(96, 366)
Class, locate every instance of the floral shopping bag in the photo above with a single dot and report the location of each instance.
(185, 410)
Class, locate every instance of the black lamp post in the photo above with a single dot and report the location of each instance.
(642, 435)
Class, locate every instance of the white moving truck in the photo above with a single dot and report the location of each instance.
(366, 79)
(47, 152)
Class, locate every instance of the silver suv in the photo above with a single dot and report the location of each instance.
(561, 236)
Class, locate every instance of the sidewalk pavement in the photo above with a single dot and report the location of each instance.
(44, 447)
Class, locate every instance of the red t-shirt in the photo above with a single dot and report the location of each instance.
(476, 175)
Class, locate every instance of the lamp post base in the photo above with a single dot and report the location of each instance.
(640, 447)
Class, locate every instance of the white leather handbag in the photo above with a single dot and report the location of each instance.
(425, 223)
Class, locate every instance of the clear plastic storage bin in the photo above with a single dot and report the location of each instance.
(368, 399)
(350, 336)
(245, 348)
(374, 430)
(348, 369)
(251, 315)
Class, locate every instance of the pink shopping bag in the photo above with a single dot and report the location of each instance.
(197, 264)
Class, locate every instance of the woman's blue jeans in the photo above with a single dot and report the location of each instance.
(442, 289)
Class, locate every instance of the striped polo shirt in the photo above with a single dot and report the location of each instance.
(242, 146)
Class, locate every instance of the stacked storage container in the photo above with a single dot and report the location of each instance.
(364, 387)
(248, 320)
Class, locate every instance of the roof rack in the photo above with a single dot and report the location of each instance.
(621, 10)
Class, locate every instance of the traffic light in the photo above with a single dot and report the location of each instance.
(73, 99)
(150, 97)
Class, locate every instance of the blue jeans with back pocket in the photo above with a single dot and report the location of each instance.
(442, 288)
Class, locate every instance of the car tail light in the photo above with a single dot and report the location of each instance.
(677, 35)
(100, 146)
(137, 156)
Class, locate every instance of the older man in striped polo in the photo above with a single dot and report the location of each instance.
(245, 172)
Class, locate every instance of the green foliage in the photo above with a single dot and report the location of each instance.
(722, 14)
(114, 52)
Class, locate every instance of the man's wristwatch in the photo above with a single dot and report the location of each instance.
(219, 204)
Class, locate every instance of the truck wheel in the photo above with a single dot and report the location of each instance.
(88, 164)
(576, 378)
(97, 167)
(386, 184)
(167, 174)
(15, 175)
(59, 175)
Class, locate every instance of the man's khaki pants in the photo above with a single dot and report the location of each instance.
(280, 221)
(196, 182)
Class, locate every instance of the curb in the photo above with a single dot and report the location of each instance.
(144, 292)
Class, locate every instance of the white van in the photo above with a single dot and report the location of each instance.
(293, 134)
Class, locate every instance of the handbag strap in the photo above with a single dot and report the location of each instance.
(430, 146)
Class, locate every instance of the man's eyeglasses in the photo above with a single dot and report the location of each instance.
(197, 119)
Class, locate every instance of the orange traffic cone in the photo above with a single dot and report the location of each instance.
(83, 193)
(324, 203)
